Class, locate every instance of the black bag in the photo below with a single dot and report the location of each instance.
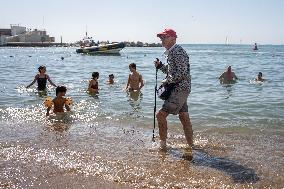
(164, 91)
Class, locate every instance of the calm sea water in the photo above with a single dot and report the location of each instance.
(106, 140)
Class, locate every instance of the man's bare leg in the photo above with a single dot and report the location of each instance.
(163, 128)
(187, 127)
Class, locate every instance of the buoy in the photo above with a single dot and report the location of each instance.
(48, 102)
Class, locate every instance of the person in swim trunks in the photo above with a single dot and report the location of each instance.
(59, 101)
(93, 83)
(41, 78)
(135, 81)
(228, 76)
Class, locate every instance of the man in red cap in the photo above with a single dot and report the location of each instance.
(178, 73)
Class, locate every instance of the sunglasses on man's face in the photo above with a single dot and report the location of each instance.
(164, 37)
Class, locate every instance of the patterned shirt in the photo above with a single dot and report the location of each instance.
(178, 68)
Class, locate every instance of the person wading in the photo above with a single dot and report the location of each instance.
(178, 72)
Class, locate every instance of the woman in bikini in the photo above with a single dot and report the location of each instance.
(93, 83)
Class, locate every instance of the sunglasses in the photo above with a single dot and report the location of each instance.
(164, 37)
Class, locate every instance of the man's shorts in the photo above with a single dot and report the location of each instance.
(176, 103)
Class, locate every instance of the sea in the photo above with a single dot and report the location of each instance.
(105, 141)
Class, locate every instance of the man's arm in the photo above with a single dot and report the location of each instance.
(234, 75)
(163, 68)
(128, 82)
(160, 66)
(221, 76)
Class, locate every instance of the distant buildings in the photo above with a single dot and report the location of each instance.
(141, 44)
(20, 34)
(4, 33)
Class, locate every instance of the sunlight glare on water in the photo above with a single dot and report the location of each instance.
(105, 141)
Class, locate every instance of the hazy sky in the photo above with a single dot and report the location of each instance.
(195, 21)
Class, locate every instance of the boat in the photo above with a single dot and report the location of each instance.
(112, 48)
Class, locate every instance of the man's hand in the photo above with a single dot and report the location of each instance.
(157, 62)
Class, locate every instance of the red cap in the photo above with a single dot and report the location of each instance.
(168, 32)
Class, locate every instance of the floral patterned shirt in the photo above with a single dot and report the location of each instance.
(178, 69)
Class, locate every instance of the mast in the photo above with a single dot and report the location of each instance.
(227, 41)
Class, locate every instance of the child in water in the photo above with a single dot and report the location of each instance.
(259, 77)
(59, 101)
(41, 77)
(93, 83)
(110, 79)
(135, 81)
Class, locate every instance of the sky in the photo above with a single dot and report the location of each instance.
(195, 21)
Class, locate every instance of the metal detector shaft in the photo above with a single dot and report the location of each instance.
(155, 106)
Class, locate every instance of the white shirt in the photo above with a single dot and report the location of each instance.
(168, 50)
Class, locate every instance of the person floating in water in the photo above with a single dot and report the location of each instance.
(255, 47)
(259, 77)
(228, 76)
(93, 83)
(110, 79)
(59, 101)
(135, 81)
(41, 79)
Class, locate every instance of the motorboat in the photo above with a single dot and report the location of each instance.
(111, 48)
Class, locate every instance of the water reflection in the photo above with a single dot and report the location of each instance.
(229, 88)
(42, 93)
(59, 127)
(134, 99)
(134, 95)
(60, 122)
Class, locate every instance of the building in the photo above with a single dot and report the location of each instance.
(16, 30)
(3, 34)
(21, 34)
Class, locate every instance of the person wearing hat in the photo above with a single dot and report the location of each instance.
(178, 72)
